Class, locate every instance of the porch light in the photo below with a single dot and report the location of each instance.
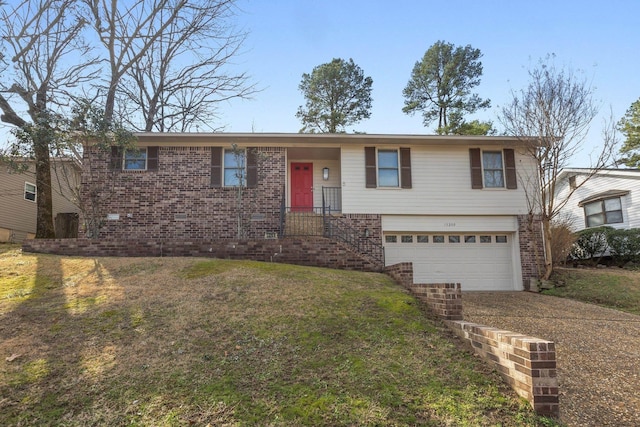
(325, 174)
(366, 232)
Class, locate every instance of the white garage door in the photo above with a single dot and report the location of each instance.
(478, 261)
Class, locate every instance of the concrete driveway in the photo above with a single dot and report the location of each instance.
(597, 349)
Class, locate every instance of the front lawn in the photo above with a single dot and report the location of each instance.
(183, 341)
(609, 287)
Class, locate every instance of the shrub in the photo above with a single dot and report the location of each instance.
(562, 241)
(591, 244)
(624, 245)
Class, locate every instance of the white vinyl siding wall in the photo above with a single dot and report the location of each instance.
(441, 185)
(600, 184)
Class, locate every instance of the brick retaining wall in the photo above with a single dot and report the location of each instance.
(444, 299)
(319, 252)
(526, 363)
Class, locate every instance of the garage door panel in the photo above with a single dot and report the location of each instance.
(476, 266)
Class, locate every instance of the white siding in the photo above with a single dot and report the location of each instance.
(599, 184)
(449, 223)
(441, 185)
(17, 215)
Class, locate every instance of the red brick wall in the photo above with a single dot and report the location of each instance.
(362, 222)
(177, 201)
(527, 364)
(310, 251)
(401, 273)
(531, 248)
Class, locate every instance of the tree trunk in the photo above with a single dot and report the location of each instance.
(548, 258)
(44, 201)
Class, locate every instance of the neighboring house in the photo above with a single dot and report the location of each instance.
(451, 205)
(18, 193)
(606, 198)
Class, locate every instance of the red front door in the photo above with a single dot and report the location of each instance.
(301, 187)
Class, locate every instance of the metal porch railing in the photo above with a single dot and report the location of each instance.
(324, 222)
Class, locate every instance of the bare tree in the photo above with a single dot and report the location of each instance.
(46, 66)
(39, 75)
(555, 110)
(172, 96)
(167, 61)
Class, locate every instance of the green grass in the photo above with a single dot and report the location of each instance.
(173, 342)
(611, 287)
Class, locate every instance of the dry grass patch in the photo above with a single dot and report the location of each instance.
(611, 287)
(149, 341)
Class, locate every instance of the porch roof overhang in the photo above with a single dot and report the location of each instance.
(324, 140)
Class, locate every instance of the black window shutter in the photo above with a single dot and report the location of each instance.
(116, 158)
(152, 158)
(476, 168)
(510, 169)
(370, 167)
(216, 166)
(405, 167)
(252, 168)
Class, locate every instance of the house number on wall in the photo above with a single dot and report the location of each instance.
(449, 224)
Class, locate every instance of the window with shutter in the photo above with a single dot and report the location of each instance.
(370, 167)
(405, 167)
(235, 171)
(387, 167)
(476, 168)
(216, 166)
(152, 158)
(116, 158)
(493, 169)
(252, 168)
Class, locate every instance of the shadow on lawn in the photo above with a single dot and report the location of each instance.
(52, 345)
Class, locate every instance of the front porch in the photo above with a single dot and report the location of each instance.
(314, 179)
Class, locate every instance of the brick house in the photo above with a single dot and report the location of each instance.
(454, 206)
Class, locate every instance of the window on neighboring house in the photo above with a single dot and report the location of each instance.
(388, 168)
(493, 169)
(601, 212)
(572, 182)
(29, 192)
(135, 160)
(235, 173)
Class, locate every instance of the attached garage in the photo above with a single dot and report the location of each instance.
(484, 259)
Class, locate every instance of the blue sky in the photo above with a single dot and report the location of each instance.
(289, 37)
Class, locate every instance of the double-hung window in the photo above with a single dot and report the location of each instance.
(601, 212)
(387, 167)
(234, 167)
(492, 170)
(388, 171)
(30, 192)
(235, 172)
(138, 159)
(135, 160)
